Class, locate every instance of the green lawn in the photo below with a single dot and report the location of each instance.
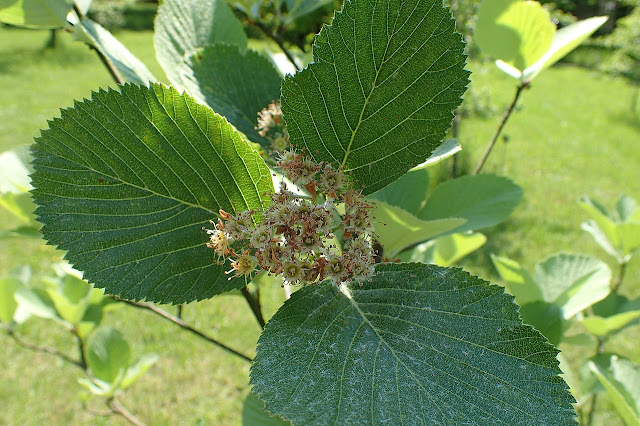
(573, 134)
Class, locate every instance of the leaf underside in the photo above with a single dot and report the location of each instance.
(381, 92)
(419, 344)
(126, 181)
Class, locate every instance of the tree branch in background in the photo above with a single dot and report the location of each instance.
(117, 408)
(505, 117)
(254, 303)
(44, 349)
(273, 36)
(177, 321)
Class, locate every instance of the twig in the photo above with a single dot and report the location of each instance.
(177, 321)
(273, 36)
(44, 349)
(621, 270)
(505, 117)
(254, 304)
(81, 352)
(105, 61)
(592, 409)
(455, 130)
(120, 410)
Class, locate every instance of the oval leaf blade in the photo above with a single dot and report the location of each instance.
(381, 92)
(126, 181)
(419, 344)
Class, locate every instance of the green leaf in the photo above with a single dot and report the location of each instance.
(8, 304)
(108, 354)
(417, 344)
(564, 41)
(14, 171)
(35, 13)
(38, 303)
(484, 200)
(380, 94)
(444, 151)
(409, 192)
(517, 280)
(445, 250)
(21, 207)
(396, 228)
(235, 83)
(69, 295)
(612, 314)
(129, 66)
(517, 32)
(254, 414)
(572, 282)
(592, 228)
(137, 369)
(626, 209)
(622, 383)
(299, 8)
(183, 27)
(126, 181)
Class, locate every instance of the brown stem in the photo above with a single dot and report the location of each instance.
(273, 36)
(177, 321)
(82, 354)
(254, 304)
(105, 61)
(45, 349)
(455, 130)
(505, 117)
(592, 410)
(120, 410)
(621, 271)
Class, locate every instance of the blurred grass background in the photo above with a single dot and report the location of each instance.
(573, 134)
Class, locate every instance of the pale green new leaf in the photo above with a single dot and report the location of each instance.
(254, 414)
(572, 282)
(35, 13)
(409, 192)
(517, 32)
(444, 151)
(612, 315)
(484, 200)
(445, 250)
(183, 27)
(517, 280)
(127, 180)
(108, 354)
(8, 304)
(14, 170)
(38, 303)
(419, 344)
(564, 41)
(128, 65)
(137, 369)
(380, 94)
(621, 379)
(397, 229)
(235, 83)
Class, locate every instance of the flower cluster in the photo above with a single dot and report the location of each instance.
(294, 236)
(271, 126)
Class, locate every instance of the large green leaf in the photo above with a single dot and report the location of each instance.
(183, 27)
(397, 229)
(514, 31)
(417, 344)
(235, 83)
(380, 95)
(621, 379)
(130, 68)
(126, 181)
(484, 200)
(108, 354)
(564, 41)
(612, 314)
(35, 13)
(410, 192)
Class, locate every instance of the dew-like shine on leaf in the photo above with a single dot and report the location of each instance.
(126, 181)
(380, 95)
(419, 344)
